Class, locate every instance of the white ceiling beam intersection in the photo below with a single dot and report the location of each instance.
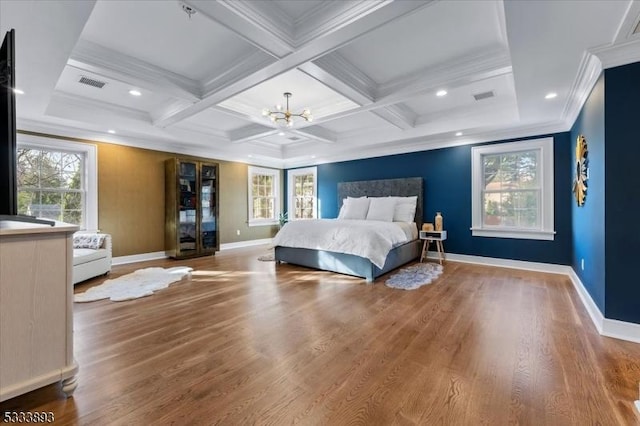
(310, 51)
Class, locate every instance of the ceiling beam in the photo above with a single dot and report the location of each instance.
(310, 51)
(251, 132)
(317, 133)
(399, 115)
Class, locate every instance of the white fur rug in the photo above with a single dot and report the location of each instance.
(140, 283)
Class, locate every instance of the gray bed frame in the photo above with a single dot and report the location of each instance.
(355, 265)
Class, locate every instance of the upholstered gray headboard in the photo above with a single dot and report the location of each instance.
(404, 187)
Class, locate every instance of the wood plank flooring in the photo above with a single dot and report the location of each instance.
(246, 342)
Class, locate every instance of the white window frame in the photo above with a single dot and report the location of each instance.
(291, 175)
(253, 170)
(546, 230)
(90, 170)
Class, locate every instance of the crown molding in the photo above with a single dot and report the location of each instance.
(628, 23)
(589, 71)
(94, 58)
(618, 54)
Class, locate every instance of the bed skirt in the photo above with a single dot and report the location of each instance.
(348, 264)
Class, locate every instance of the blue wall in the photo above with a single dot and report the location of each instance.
(588, 221)
(622, 199)
(447, 180)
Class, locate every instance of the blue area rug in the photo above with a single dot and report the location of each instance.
(414, 276)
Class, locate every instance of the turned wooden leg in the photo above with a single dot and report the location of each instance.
(69, 385)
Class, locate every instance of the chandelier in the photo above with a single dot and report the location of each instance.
(285, 118)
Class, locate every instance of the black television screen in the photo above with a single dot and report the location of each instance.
(8, 166)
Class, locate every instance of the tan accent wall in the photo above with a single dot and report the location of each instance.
(131, 198)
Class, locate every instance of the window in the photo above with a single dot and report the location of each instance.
(264, 196)
(302, 187)
(512, 190)
(57, 180)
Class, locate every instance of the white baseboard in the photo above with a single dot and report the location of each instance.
(249, 243)
(504, 263)
(122, 260)
(621, 330)
(606, 327)
(587, 301)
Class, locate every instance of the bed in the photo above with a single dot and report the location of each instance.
(351, 264)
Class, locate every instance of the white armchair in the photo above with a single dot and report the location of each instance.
(91, 255)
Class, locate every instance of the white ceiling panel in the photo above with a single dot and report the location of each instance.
(439, 33)
(357, 122)
(162, 34)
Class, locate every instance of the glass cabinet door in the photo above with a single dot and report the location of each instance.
(208, 197)
(188, 204)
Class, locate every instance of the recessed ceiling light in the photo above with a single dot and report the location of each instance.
(551, 95)
(113, 132)
(459, 134)
(250, 156)
(134, 92)
(441, 93)
(280, 133)
(313, 156)
(18, 91)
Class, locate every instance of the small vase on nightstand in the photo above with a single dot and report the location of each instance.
(438, 221)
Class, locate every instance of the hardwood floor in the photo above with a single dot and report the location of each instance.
(244, 342)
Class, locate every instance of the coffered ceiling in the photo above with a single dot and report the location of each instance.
(369, 71)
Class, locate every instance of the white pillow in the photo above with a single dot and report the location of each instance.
(342, 209)
(381, 208)
(356, 208)
(405, 209)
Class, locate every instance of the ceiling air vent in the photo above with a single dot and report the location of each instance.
(294, 138)
(91, 82)
(484, 95)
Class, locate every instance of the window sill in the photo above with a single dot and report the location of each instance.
(514, 233)
(263, 223)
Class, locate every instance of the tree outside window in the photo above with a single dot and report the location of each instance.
(50, 184)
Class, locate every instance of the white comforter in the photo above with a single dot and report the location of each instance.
(364, 238)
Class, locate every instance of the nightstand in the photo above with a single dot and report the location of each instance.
(433, 236)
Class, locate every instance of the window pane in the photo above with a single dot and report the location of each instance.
(511, 209)
(510, 171)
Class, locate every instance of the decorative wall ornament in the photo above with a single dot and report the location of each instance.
(580, 182)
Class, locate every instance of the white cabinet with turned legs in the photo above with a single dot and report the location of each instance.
(36, 312)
